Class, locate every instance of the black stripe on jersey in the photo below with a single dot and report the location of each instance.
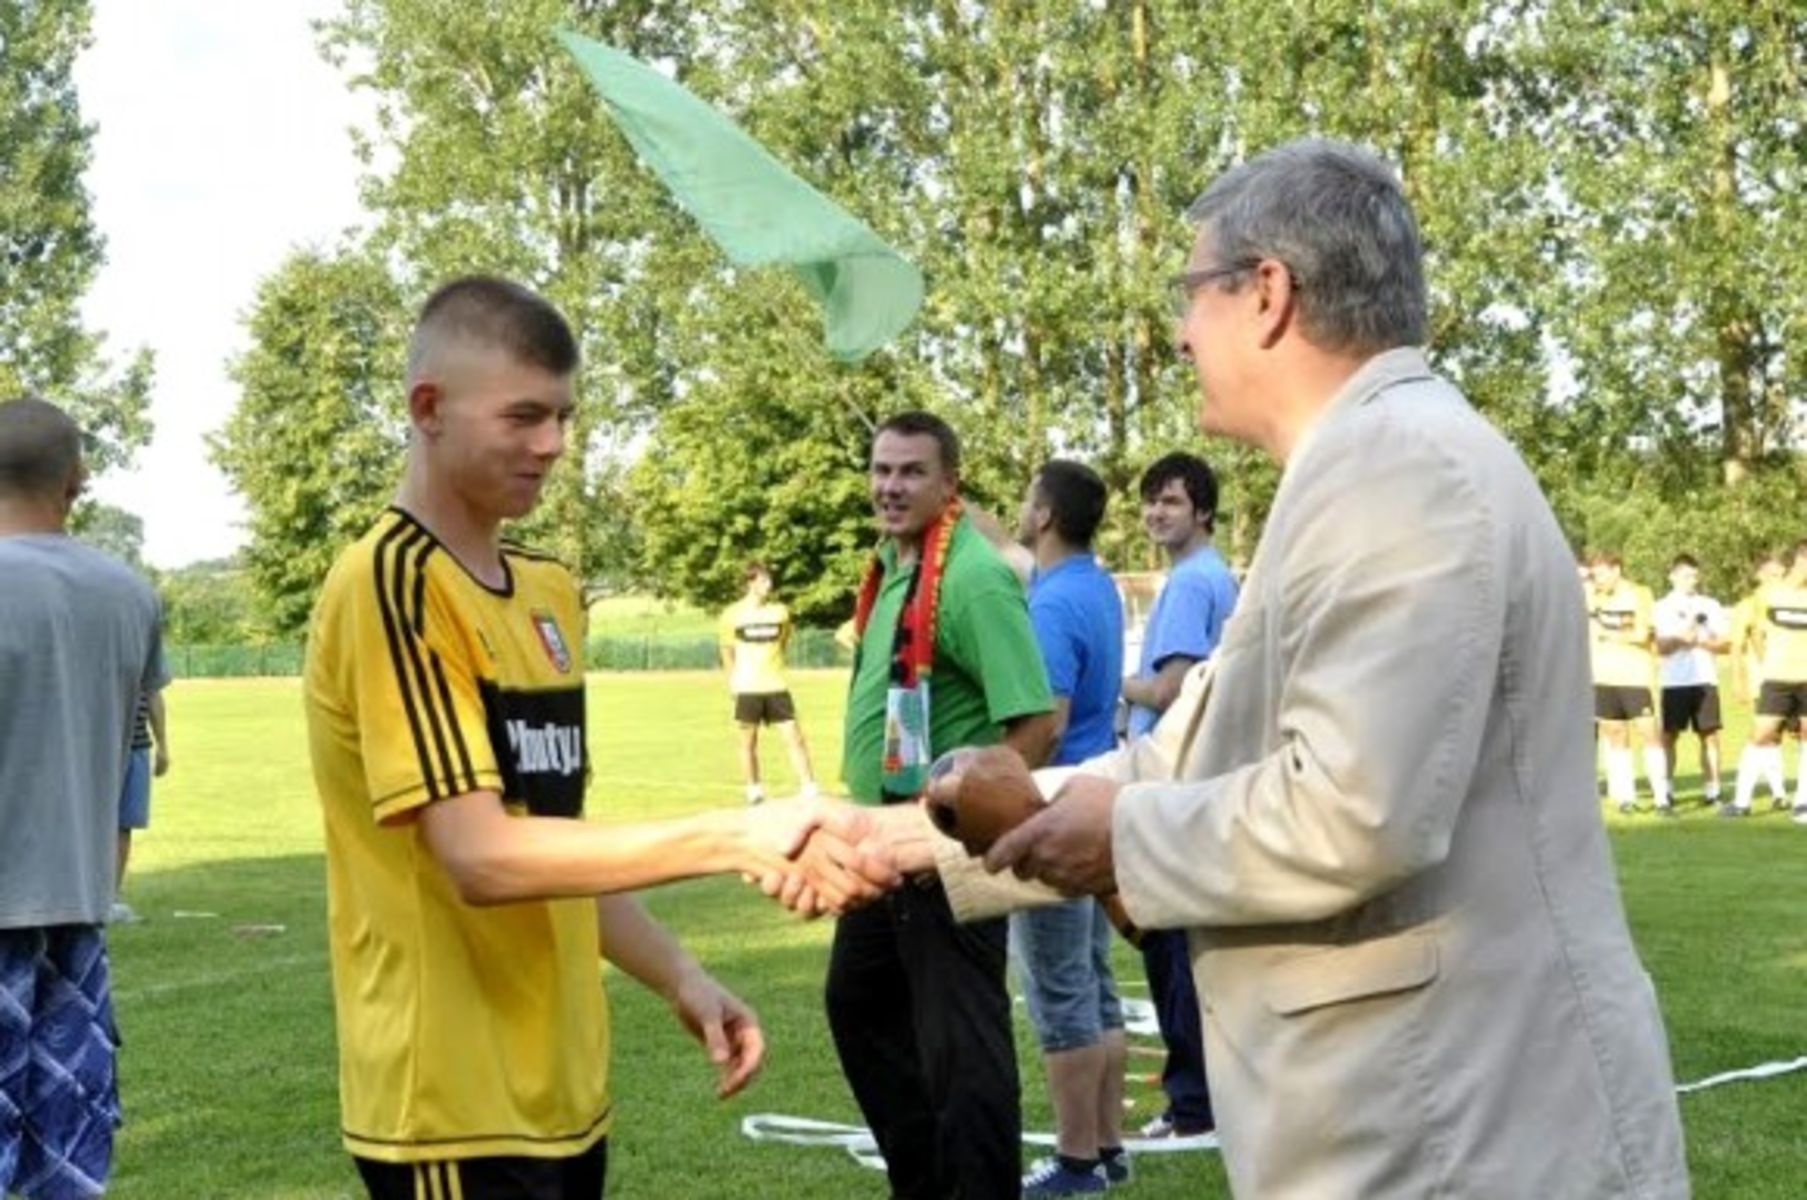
(420, 587)
(393, 632)
(446, 710)
(469, 781)
(415, 624)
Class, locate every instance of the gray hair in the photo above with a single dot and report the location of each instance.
(40, 448)
(1335, 215)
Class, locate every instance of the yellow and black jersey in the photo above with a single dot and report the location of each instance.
(1620, 622)
(463, 1031)
(758, 634)
(1781, 621)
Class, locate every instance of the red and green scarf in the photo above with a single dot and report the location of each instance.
(913, 649)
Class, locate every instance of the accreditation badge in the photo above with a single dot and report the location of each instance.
(906, 760)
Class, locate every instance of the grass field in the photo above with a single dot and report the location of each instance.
(228, 1066)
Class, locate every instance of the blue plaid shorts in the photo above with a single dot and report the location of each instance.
(59, 1097)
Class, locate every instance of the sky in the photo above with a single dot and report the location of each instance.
(221, 145)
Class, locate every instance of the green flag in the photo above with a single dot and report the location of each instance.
(753, 206)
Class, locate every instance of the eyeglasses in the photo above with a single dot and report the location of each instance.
(1185, 285)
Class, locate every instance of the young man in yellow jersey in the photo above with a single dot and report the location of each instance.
(469, 906)
(1621, 615)
(1747, 667)
(1781, 616)
(754, 633)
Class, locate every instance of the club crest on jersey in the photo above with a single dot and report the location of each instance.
(552, 639)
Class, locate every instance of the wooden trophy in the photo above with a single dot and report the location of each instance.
(997, 793)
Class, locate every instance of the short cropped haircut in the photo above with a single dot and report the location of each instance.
(1604, 558)
(497, 313)
(1193, 472)
(756, 570)
(1075, 498)
(1684, 560)
(916, 423)
(1337, 217)
(40, 448)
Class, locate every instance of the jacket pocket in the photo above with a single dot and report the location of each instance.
(1401, 963)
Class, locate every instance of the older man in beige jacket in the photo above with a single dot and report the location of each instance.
(1374, 807)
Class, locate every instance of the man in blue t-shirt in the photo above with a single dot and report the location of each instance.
(1063, 951)
(1179, 510)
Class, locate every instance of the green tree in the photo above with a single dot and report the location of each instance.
(1684, 165)
(1610, 198)
(49, 249)
(315, 442)
(111, 528)
(209, 603)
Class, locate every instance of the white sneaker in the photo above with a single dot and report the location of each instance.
(810, 791)
(1160, 1127)
(122, 914)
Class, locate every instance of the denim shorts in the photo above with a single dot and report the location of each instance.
(1063, 955)
(135, 798)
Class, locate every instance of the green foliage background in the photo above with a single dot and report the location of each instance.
(1611, 195)
(50, 251)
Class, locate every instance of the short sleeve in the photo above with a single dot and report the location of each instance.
(415, 691)
(1060, 643)
(1189, 623)
(990, 634)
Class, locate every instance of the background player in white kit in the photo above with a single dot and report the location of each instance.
(1691, 631)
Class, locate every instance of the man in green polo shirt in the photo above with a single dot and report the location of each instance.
(917, 1002)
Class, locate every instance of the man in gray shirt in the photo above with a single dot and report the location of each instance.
(78, 643)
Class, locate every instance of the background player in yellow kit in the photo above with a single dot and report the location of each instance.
(1779, 615)
(1621, 616)
(755, 630)
(1747, 667)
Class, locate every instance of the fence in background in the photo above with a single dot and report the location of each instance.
(646, 652)
(660, 652)
(233, 662)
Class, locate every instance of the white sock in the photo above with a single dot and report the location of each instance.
(1621, 777)
(1772, 772)
(755, 791)
(1757, 762)
(1656, 769)
(810, 790)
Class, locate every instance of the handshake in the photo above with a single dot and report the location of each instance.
(830, 856)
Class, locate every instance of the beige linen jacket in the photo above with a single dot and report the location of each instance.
(1383, 834)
